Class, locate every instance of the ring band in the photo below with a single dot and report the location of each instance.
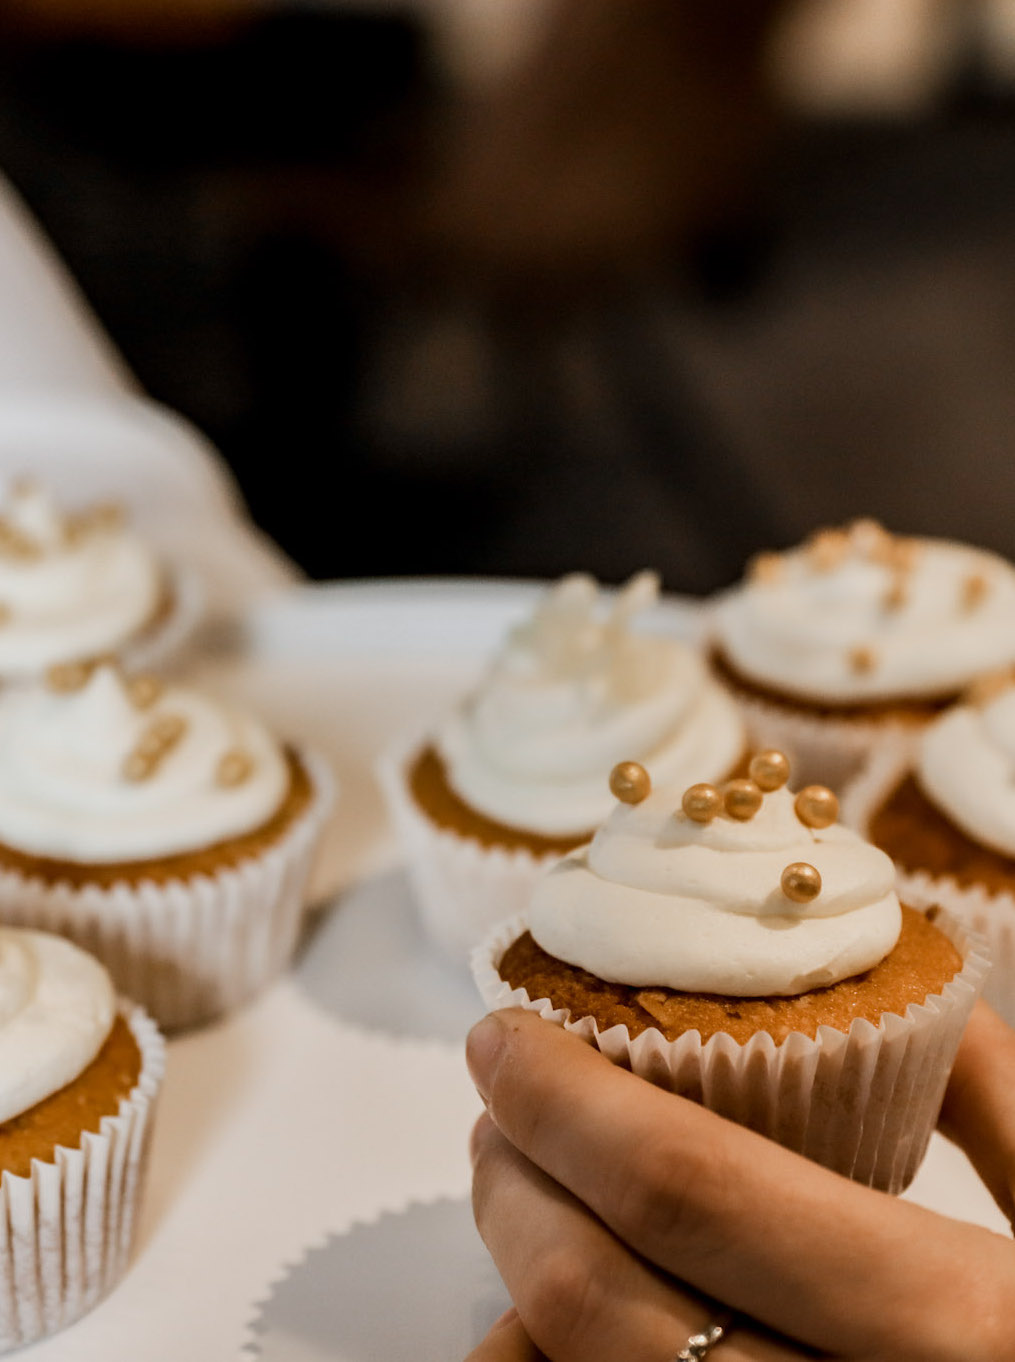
(699, 1345)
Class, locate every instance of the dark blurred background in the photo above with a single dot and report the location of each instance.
(485, 286)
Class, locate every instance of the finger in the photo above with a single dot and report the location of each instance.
(507, 1341)
(979, 1106)
(734, 1214)
(583, 1296)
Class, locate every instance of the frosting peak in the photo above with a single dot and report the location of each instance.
(966, 766)
(56, 1010)
(660, 899)
(860, 615)
(97, 769)
(71, 585)
(576, 689)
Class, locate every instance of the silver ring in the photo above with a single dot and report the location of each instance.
(699, 1345)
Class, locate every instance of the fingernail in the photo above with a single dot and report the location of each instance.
(479, 1133)
(508, 1317)
(482, 1052)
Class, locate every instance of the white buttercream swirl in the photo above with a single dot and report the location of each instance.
(575, 691)
(657, 900)
(70, 587)
(63, 789)
(871, 624)
(966, 766)
(56, 1010)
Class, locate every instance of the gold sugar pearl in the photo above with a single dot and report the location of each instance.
(769, 770)
(170, 728)
(827, 549)
(149, 746)
(14, 543)
(816, 806)
(5, 613)
(139, 766)
(630, 782)
(765, 568)
(974, 591)
(895, 597)
(702, 803)
(144, 690)
(862, 660)
(235, 766)
(741, 799)
(68, 676)
(801, 882)
(989, 686)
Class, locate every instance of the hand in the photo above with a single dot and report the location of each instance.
(614, 1210)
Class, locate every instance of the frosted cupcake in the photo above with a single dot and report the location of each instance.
(168, 833)
(78, 1080)
(517, 775)
(82, 585)
(743, 948)
(858, 633)
(945, 813)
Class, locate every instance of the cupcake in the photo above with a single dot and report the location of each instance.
(166, 832)
(516, 776)
(82, 585)
(742, 948)
(945, 813)
(79, 1075)
(856, 634)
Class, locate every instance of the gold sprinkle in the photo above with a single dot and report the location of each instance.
(765, 568)
(235, 767)
(629, 782)
(816, 806)
(5, 613)
(169, 728)
(139, 767)
(827, 548)
(801, 882)
(769, 770)
(895, 596)
(974, 591)
(989, 686)
(144, 690)
(862, 659)
(103, 518)
(702, 803)
(741, 799)
(14, 543)
(66, 677)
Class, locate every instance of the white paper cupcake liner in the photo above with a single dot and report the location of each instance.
(462, 888)
(820, 749)
(66, 1230)
(989, 912)
(188, 949)
(862, 1102)
(167, 642)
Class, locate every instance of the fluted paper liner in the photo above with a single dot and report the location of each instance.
(188, 949)
(989, 912)
(863, 1103)
(462, 888)
(820, 748)
(66, 1230)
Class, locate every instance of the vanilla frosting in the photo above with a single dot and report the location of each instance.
(70, 585)
(56, 1009)
(75, 784)
(860, 616)
(966, 766)
(658, 900)
(574, 691)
